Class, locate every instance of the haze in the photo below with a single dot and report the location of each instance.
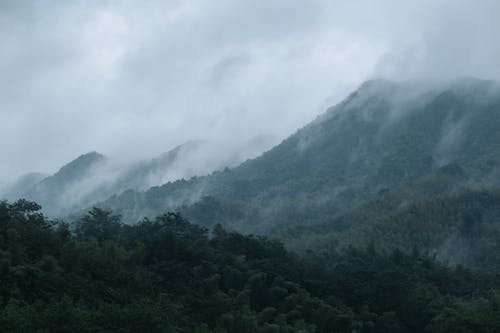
(132, 79)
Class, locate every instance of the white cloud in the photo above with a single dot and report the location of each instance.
(135, 78)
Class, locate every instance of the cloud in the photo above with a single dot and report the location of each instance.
(133, 79)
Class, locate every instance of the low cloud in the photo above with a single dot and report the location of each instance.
(134, 79)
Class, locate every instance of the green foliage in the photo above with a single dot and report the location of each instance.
(167, 275)
(99, 224)
(462, 229)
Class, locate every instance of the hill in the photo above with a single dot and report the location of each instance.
(384, 136)
(67, 185)
(92, 177)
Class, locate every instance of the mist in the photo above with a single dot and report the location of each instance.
(133, 80)
(92, 177)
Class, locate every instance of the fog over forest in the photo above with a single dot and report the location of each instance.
(266, 166)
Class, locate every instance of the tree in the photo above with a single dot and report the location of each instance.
(99, 224)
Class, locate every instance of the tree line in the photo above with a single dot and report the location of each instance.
(168, 275)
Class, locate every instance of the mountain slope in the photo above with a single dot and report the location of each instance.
(92, 177)
(66, 185)
(462, 228)
(384, 135)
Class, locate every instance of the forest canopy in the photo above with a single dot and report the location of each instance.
(167, 275)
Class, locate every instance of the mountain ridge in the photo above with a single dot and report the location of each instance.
(367, 143)
(93, 177)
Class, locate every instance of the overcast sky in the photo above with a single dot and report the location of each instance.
(132, 79)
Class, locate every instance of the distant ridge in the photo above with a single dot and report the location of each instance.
(382, 136)
(92, 177)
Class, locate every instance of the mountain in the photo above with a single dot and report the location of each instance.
(66, 185)
(144, 174)
(193, 158)
(391, 199)
(93, 177)
(384, 136)
(458, 229)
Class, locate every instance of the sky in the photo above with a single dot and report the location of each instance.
(133, 79)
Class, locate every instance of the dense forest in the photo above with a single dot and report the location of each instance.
(167, 275)
(459, 229)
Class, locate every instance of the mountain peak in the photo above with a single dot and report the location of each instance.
(385, 134)
(377, 83)
(90, 157)
(79, 166)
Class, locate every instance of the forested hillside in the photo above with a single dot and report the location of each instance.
(397, 164)
(93, 177)
(64, 190)
(461, 229)
(386, 136)
(167, 275)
